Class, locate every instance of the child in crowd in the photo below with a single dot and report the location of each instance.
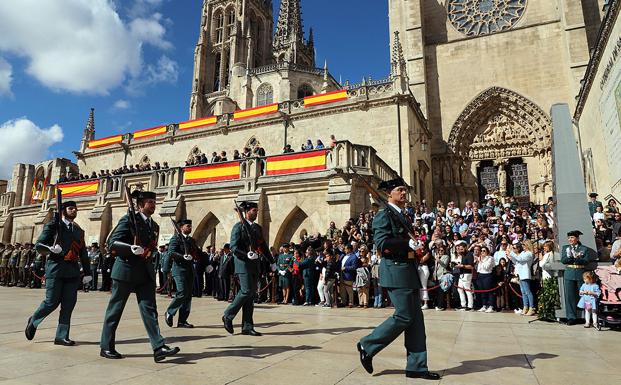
(363, 281)
(589, 292)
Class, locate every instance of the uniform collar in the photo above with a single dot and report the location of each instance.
(394, 206)
(144, 217)
(67, 222)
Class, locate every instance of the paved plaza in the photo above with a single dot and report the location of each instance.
(301, 345)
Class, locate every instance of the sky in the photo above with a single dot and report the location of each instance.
(132, 60)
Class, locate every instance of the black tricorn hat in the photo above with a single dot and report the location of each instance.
(139, 195)
(248, 205)
(389, 185)
(185, 222)
(593, 195)
(227, 246)
(285, 245)
(574, 233)
(69, 204)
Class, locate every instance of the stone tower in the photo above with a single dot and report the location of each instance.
(235, 35)
(289, 44)
(89, 131)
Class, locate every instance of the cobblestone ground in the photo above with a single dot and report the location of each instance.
(300, 345)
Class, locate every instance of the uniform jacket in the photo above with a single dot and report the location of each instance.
(134, 268)
(180, 266)
(576, 255)
(240, 246)
(73, 245)
(392, 239)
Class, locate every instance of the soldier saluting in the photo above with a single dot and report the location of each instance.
(132, 241)
(63, 241)
(399, 275)
(183, 251)
(246, 244)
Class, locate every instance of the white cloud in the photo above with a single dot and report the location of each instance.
(121, 104)
(6, 77)
(165, 70)
(80, 46)
(25, 142)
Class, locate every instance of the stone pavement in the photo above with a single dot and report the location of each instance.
(301, 345)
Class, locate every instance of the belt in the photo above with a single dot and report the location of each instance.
(576, 266)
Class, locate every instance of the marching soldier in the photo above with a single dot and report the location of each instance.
(183, 251)
(575, 257)
(246, 242)
(62, 272)
(133, 240)
(399, 275)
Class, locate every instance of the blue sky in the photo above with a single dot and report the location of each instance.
(132, 60)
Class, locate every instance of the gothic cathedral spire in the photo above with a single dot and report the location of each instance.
(89, 131)
(289, 44)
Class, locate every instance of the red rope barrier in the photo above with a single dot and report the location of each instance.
(463, 288)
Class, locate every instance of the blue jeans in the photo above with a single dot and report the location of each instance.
(527, 295)
(377, 294)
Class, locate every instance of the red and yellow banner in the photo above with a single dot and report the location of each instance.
(77, 189)
(329, 97)
(294, 163)
(149, 132)
(257, 111)
(105, 141)
(212, 172)
(198, 123)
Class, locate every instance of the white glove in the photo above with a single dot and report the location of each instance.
(107, 271)
(252, 255)
(99, 270)
(274, 267)
(81, 269)
(415, 245)
(32, 265)
(282, 272)
(87, 279)
(56, 249)
(209, 269)
(137, 250)
(187, 257)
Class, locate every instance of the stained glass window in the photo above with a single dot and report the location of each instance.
(483, 17)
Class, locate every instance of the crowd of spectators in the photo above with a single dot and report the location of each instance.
(247, 152)
(74, 176)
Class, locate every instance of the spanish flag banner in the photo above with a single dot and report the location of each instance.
(105, 141)
(211, 173)
(142, 134)
(254, 112)
(211, 120)
(330, 97)
(78, 189)
(295, 163)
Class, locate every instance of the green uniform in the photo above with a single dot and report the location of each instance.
(593, 206)
(62, 274)
(25, 259)
(248, 272)
(13, 266)
(307, 267)
(575, 257)
(285, 262)
(183, 274)
(5, 254)
(399, 275)
(132, 273)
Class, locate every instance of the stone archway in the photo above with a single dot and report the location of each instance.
(501, 132)
(290, 226)
(205, 233)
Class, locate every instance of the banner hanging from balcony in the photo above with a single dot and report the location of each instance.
(297, 162)
(198, 123)
(257, 111)
(79, 189)
(142, 134)
(211, 173)
(329, 97)
(105, 141)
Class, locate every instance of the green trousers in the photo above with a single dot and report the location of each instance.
(183, 297)
(408, 319)
(145, 294)
(63, 292)
(572, 288)
(244, 300)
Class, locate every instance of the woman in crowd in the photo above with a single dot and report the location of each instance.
(523, 261)
(501, 275)
(441, 266)
(485, 281)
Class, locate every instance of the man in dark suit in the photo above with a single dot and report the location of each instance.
(246, 244)
(133, 242)
(183, 251)
(63, 241)
(399, 275)
(225, 271)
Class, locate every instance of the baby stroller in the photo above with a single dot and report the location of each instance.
(609, 305)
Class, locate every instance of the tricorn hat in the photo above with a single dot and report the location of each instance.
(574, 233)
(593, 195)
(68, 204)
(139, 195)
(285, 245)
(247, 205)
(389, 185)
(185, 222)
(227, 246)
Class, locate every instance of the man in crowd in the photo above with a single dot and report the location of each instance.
(63, 240)
(399, 275)
(183, 251)
(106, 263)
(594, 203)
(133, 241)
(349, 265)
(225, 272)
(94, 255)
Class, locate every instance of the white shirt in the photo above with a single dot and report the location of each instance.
(600, 216)
(547, 257)
(500, 254)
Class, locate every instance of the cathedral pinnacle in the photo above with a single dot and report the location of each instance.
(89, 131)
(289, 44)
(398, 66)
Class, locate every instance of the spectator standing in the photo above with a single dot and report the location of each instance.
(523, 260)
(485, 280)
(349, 265)
(463, 265)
